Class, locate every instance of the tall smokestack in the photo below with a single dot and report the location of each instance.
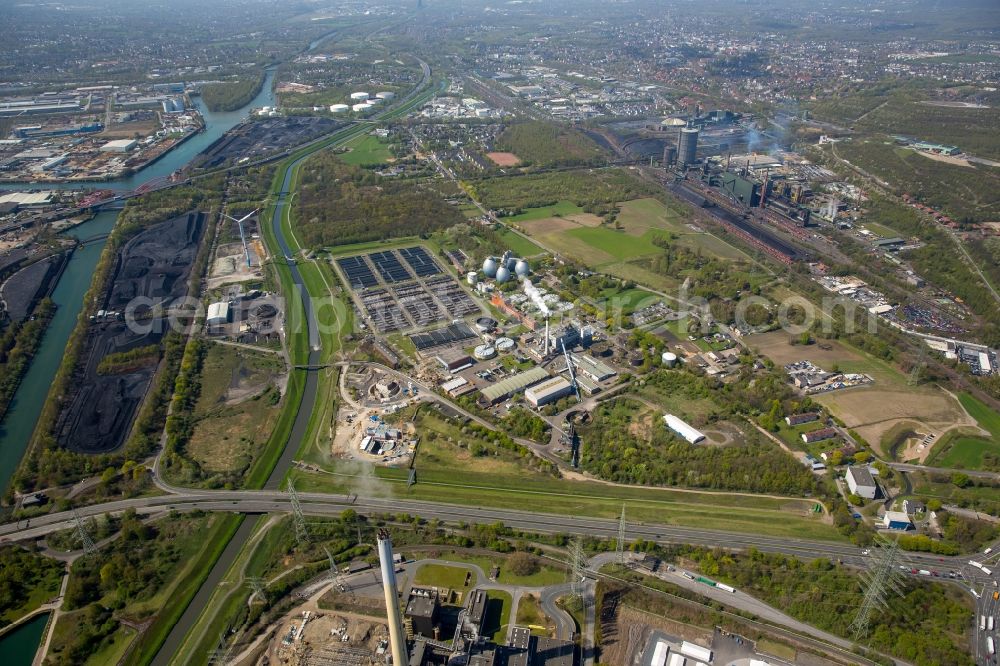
(546, 352)
(397, 638)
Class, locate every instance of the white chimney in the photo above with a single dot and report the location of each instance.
(397, 637)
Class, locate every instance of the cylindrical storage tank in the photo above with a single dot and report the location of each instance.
(490, 267)
(504, 344)
(669, 359)
(600, 349)
(486, 324)
(359, 96)
(483, 352)
(472, 278)
(361, 108)
(521, 268)
(339, 108)
(503, 274)
(636, 360)
(386, 95)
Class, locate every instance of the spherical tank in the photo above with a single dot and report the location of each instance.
(521, 268)
(503, 274)
(490, 266)
(511, 263)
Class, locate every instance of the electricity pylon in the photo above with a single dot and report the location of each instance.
(881, 577)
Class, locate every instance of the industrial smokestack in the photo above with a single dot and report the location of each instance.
(397, 638)
(546, 352)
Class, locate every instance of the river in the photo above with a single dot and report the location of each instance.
(19, 646)
(16, 429)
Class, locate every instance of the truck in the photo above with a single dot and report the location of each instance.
(988, 572)
(706, 581)
(982, 623)
(727, 588)
(989, 623)
(975, 564)
(924, 572)
(990, 647)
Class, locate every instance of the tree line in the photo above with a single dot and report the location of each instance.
(231, 95)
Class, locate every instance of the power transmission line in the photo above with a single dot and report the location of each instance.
(881, 577)
(257, 585)
(301, 533)
(620, 546)
(576, 558)
(83, 535)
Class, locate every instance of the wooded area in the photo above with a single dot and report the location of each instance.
(539, 143)
(341, 204)
(231, 95)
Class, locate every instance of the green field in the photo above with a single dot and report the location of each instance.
(618, 244)
(497, 615)
(968, 452)
(546, 575)
(367, 151)
(563, 209)
(518, 244)
(440, 575)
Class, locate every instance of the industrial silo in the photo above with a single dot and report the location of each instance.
(490, 267)
(687, 146)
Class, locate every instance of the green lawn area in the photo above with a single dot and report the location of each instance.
(367, 151)
(518, 244)
(630, 299)
(562, 208)
(642, 214)
(546, 575)
(529, 614)
(967, 452)
(440, 575)
(617, 243)
(497, 615)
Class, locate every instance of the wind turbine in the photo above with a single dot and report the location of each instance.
(243, 238)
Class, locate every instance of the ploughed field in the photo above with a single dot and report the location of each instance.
(151, 271)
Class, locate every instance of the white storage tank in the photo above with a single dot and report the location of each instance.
(669, 359)
(386, 95)
(472, 278)
(361, 108)
(504, 344)
(359, 96)
(339, 108)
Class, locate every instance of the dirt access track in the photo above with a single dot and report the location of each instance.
(154, 266)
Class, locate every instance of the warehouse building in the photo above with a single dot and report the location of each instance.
(861, 482)
(503, 389)
(218, 314)
(119, 146)
(548, 391)
(422, 611)
(454, 360)
(591, 367)
(457, 387)
(683, 429)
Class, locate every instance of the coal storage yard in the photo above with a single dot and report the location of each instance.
(153, 266)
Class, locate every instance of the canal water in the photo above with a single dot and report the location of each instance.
(19, 646)
(19, 423)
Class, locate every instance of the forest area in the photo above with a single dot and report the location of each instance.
(588, 189)
(341, 204)
(545, 144)
(231, 95)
